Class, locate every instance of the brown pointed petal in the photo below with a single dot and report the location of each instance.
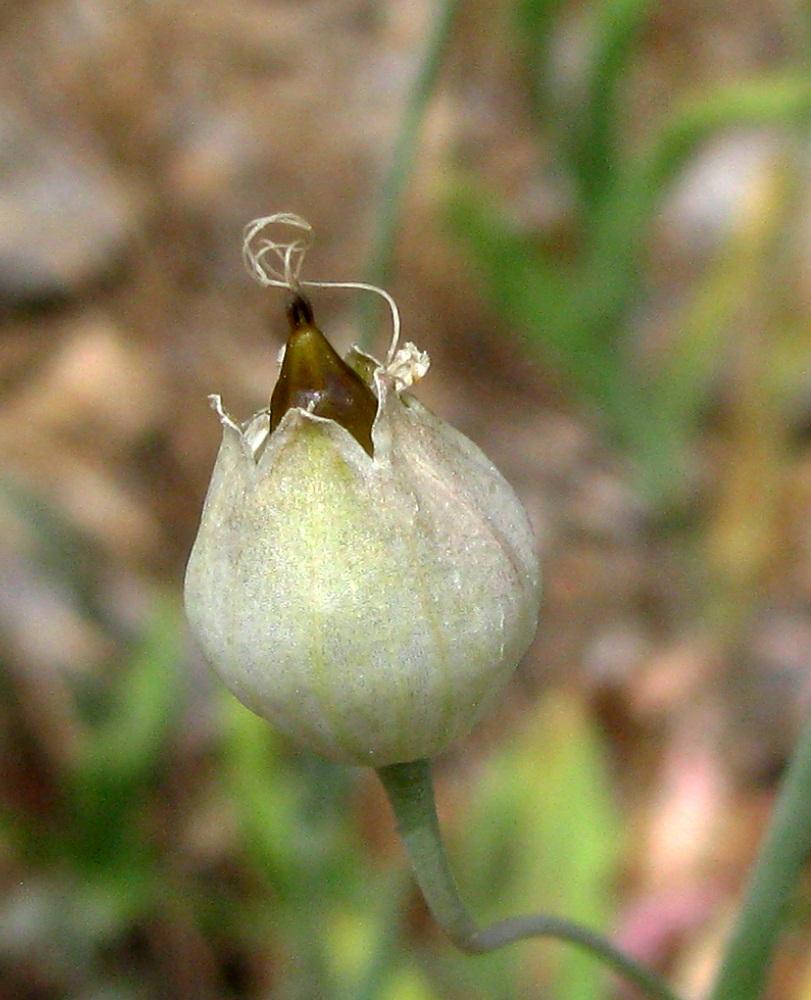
(314, 378)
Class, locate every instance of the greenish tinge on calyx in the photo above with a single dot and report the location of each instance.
(315, 378)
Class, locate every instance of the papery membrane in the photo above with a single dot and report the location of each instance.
(370, 607)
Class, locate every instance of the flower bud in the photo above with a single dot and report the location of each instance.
(363, 577)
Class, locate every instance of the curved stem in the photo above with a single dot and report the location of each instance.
(410, 791)
(748, 955)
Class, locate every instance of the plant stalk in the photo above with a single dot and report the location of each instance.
(394, 184)
(748, 955)
(410, 791)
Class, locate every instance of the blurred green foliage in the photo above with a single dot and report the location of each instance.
(575, 301)
(81, 826)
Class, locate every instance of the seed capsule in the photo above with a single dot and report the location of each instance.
(363, 577)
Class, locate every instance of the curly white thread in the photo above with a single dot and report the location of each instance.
(258, 254)
(278, 265)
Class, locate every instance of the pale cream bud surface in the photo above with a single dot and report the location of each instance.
(368, 605)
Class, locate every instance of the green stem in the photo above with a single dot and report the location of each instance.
(410, 790)
(394, 184)
(748, 955)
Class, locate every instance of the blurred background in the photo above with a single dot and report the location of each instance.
(603, 243)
